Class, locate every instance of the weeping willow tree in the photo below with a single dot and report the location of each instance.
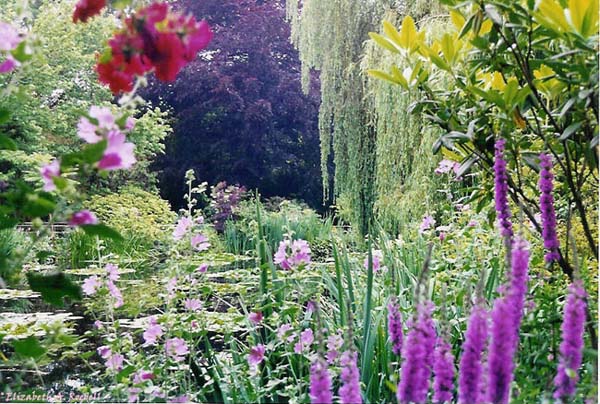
(382, 162)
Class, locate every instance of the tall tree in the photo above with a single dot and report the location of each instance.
(240, 113)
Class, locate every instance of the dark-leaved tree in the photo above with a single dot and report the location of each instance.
(240, 113)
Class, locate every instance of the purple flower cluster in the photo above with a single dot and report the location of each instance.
(418, 357)
(571, 347)
(443, 372)
(292, 254)
(320, 383)
(224, 201)
(395, 327)
(506, 321)
(471, 368)
(501, 190)
(350, 390)
(547, 209)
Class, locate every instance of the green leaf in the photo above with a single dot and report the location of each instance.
(102, 231)
(125, 373)
(29, 347)
(384, 76)
(22, 52)
(7, 143)
(38, 205)
(4, 115)
(383, 42)
(54, 287)
(570, 130)
(121, 4)
(93, 153)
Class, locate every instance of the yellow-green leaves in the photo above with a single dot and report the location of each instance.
(408, 39)
(383, 42)
(399, 79)
(408, 34)
(581, 16)
(584, 16)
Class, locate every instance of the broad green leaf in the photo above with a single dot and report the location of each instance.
(102, 231)
(551, 15)
(570, 130)
(391, 32)
(29, 347)
(93, 153)
(384, 76)
(457, 19)
(7, 143)
(584, 16)
(383, 42)
(54, 287)
(448, 50)
(22, 52)
(408, 33)
(400, 77)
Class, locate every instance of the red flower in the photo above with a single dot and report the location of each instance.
(85, 9)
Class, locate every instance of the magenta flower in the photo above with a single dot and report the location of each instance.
(182, 228)
(48, 172)
(551, 243)
(256, 355)
(443, 372)
(200, 242)
(571, 347)
(152, 333)
(320, 383)
(446, 166)
(202, 268)
(141, 376)
(395, 326)
(118, 154)
(471, 367)
(171, 287)
(91, 285)
(192, 304)
(9, 65)
(82, 218)
(292, 255)
(280, 257)
(501, 190)
(377, 260)
(104, 351)
(133, 394)
(255, 317)
(350, 390)
(176, 349)
(427, 223)
(334, 343)
(180, 399)
(283, 332)
(98, 324)
(113, 272)
(418, 357)
(115, 293)
(115, 362)
(9, 37)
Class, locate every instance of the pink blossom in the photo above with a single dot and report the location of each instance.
(89, 131)
(9, 65)
(141, 376)
(152, 333)
(280, 257)
(446, 166)
(112, 272)
(98, 324)
(9, 37)
(134, 394)
(129, 124)
(377, 259)
(472, 223)
(256, 355)
(255, 317)
(82, 218)
(115, 362)
(180, 399)
(176, 349)
(118, 154)
(200, 242)
(91, 285)
(291, 255)
(334, 343)
(48, 172)
(427, 223)
(115, 293)
(171, 287)
(104, 351)
(182, 227)
(202, 268)
(192, 304)
(306, 339)
(283, 331)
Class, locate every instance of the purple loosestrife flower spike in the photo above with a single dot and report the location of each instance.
(418, 357)
(571, 347)
(501, 190)
(443, 372)
(395, 326)
(471, 368)
(551, 243)
(350, 390)
(320, 383)
(506, 321)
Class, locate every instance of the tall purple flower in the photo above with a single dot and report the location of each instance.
(443, 372)
(551, 243)
(320, 383)
(501, 190)
(418, 357)
(395, 326)
(350, 390)
(470, 361)
(506, 321)
(571, 347)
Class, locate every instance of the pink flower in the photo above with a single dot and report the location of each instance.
(182, 227)
(152, 333)
(113, 272)
(284, 331)
(472, 223)
(118, 154)
(280, 257)
(141, 376)
(427, 223)
(171, 287)
(98, 324)
(255, 317)
(256, 355)
(192, 304)
(115, 362)
(176, 349)
(134, 394)
(377, 259)
(202, 268)
(92, 133)
(180, 399)
(115, 293)
(9, 37)
(291, 255)
(9, 64)
(334, 343)
(104, 351)
(82, 218)
(446, 166)
(48, 172)
(200, 242)
(306, 339)
(91, 285)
